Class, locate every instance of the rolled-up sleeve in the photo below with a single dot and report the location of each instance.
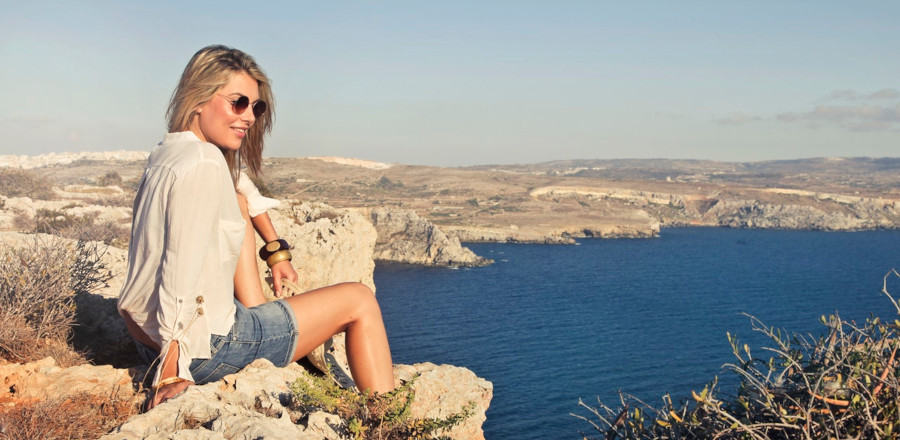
(256, 203)
(191, 219)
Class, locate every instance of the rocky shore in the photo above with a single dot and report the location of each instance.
(769, 208)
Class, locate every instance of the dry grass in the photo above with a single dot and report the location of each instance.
(80, 416)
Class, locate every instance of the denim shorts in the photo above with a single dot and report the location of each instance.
(267, 331)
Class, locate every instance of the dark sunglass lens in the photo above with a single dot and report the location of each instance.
(259, 108)
(241, 104)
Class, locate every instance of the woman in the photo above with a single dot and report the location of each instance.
(192, 298)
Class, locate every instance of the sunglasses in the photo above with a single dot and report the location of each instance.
(240, 105)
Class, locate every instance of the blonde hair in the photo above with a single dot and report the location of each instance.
(210, 69)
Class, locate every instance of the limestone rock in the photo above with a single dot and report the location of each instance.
(249, 404)
(472, 234)
(37, 380)
(442, 390)
(804, 213)
(330, 245)
(404, 237)
(74, 205)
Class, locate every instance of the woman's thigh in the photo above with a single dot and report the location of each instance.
(324, 312)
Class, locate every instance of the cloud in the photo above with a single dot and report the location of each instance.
(854, 117)
(885, 94)
(32, 121)
(737, 119)
(846, 109)
(851, 95)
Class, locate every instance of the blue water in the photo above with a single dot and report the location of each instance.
(549, 324)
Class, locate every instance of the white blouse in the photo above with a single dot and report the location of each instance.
(185, 241)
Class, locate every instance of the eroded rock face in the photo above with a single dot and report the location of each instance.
(330, 245)
(473, 234)
(404, 237)
(832, 216)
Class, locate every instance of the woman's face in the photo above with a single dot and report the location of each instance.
(217, 122)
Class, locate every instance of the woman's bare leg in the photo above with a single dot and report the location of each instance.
(323, 313)
(349, 307)
(247, 287)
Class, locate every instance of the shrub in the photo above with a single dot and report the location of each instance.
(16, 182)
(386, 183)
(384, 416)
(844, 384)
(80, 416)
(111, 178)
(82, 228)
(37, 286)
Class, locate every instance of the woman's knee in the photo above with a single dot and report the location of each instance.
(362, 297)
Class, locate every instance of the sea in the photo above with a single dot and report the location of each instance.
(551, 324)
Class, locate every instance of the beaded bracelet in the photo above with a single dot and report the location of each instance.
(278, 257)
(270, 248)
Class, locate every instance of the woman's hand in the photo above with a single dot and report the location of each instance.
(281, 270)
(167, 392)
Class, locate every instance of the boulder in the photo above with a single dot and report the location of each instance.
(330, 245)
(442, 390)
(404, 237)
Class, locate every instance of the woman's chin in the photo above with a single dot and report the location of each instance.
(229, 147)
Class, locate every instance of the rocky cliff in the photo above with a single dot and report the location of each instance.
(404, 237)
(779, 208)
(804, 212)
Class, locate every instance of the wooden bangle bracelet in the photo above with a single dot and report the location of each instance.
(278, 257)
(273, 246)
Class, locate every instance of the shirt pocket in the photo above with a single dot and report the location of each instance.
(231, 238)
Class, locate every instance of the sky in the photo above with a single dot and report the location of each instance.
(463, 82)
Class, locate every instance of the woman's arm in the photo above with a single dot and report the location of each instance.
(247, 286)
(266, 230)
(192, 217)
(264, 227)
(262, 223)
(169, 370)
